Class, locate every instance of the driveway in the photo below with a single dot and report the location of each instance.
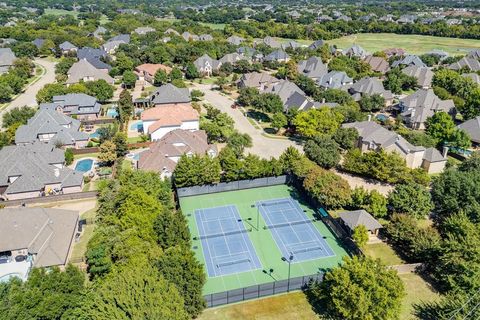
(27, 98)
(262, 146)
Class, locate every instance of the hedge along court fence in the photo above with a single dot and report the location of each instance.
(232, 186)
(261, 290)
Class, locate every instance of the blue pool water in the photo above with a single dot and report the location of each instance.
(382, 117)
(84, 165)
(112, 113)
(136, 126)
(95, 135)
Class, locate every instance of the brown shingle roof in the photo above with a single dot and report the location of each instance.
(151, 68)
(169, 115)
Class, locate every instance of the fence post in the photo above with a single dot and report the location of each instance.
(258, 291)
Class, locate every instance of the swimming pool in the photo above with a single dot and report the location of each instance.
(112, 113)
(136, 126)
(95, 135)
(84, 165)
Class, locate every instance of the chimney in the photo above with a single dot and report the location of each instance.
(369, 118)
(445, 152)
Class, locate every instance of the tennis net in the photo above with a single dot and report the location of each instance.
(222, 234)
(291, 223)
(275, 203)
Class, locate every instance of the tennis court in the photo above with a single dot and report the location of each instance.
(294, 233)
(211, 227)
(225, 244)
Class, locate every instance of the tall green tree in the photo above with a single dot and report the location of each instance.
(412, 199)
(160, 78)
(323, 151)
(322, 121)
(17, 115)
(125, 106)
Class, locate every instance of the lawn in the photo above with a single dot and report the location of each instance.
(86, 155)
(283, 307)
(416, 44)
(80, 248)
(60, 12)
(383, 252)
(418, 291)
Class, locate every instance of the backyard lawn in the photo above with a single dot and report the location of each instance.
(80, 247)
(416, 44)
(282, 307)
(418, 291)
(383, 252)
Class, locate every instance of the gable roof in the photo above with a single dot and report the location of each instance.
(271, 42)
(474, 54)
(205, 60)
(48, 121)
(174, 144)
(235, 40)
(316, 44)
(38, 42)
(409, 60)
(84, 69)
(152, 68)
(232, 58)
(423, 75)
(465, 62)
(7, 57)
(66, 45)
(44, 232)
(334, 80)
(370, 86)
(472, 127)
(168, 93)
(257, 79)
(313, 67)
(169, 115)
(277, 55)
(33, 164)
(290, 44)
(284, 89)
(359, 217)
(377, 64)
(424, 103)
(356, 51)
(143, 30)
(474, 76)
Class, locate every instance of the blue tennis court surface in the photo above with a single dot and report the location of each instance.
(225, 243)
(293, 231)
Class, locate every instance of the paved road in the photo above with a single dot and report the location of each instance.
(27, 98)
(262, 146)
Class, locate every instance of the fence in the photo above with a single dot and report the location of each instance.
(261, 290)
(231, 186)
(60, 197)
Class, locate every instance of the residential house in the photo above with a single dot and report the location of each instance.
(344, 18)
(373, 137)
(386, 18)
(205, 37)
(80, 105)
(277, 56)
(7, 57)
(113, 43)
(34, 238)
(334, 80)
(38, 42)
(316, 44)
(271, 42)
(163, 154)
(171, 31)
(259, 80)
(394, 52)
(290, 45)
(417, 107)
(235, 40)
(378, 64)
(160, 120)
(438, 53)
(353, 219)
(52, 126)
(99, 32)
(189, 36)
(143, 30)
(423, 75)
(356, 51)
(85, 71)
(474, 76)
(95, 57)
(285, 89)
(407, 18)
(33, 170)
(468, 63)
(146, 72)
(370, 86)
(206, 65)
(474, 54)
(67, 47)
(472, 127)
(169, 94)
(231, 58)
(409, 60)
(324, 18)
(313, 67)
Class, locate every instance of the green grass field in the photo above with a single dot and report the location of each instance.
(416, 44)
(60, 12)
(263, 241)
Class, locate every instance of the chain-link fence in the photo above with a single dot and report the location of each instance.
(231, 186)
(261, 290)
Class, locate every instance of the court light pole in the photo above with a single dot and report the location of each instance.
(289, 260)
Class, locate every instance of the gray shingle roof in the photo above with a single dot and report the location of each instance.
(356, 51)
(235, 40)
(472, 127)
(45, 233)
(423, 75)
(474, 76)
(48, 121)
(74, 103)
(7, 57)
(290, 44)
(33, 164)
(370, 86)
(65, 46)
(277, 55)
(465, 62)
(205, 60)
(424, 104)
(359, 217)
(334, 80)
(433, 155)
(271, 42)
(409, 60)
(316, 44)
(82, 70)
(168, 93)
(38, 42)
(313, 67)
(284, 89)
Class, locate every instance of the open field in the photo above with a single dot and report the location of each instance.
(416, 44)
(418, 291)
(383, 252)
(61, 12)
(283, 307)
